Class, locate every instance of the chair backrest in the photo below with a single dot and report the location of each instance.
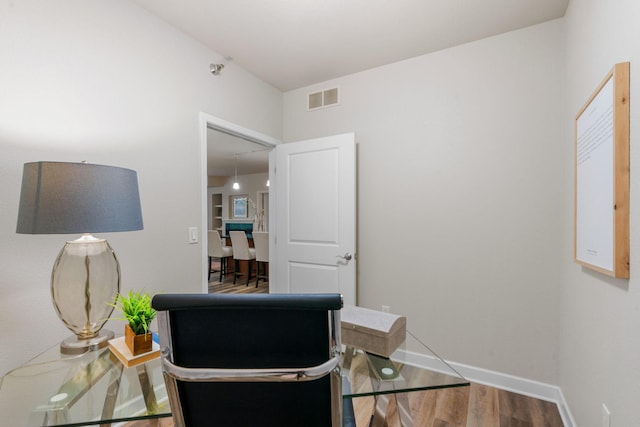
(214, 244)
(224, 356)
(261, 243)
(240, 245)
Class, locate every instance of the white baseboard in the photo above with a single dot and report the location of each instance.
(538, 390)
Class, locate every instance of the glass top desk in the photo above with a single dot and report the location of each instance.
(365, 374)
(79, 390)
(96, 389)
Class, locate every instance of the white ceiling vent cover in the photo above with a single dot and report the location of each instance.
(325, 98)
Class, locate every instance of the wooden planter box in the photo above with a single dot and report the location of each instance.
(138, 344)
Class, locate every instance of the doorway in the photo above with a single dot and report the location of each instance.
(233, 139)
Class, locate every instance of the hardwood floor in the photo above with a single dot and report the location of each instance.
(474, 406)
(227, 286)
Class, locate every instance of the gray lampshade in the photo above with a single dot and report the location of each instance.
(71, 198)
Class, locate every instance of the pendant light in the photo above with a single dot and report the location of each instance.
(236, 186)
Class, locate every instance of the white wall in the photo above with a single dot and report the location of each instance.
(600, 342)
(460, 220)
(106, 82)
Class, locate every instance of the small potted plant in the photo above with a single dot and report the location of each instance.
(137, 311)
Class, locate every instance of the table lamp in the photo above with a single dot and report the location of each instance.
(72, 198)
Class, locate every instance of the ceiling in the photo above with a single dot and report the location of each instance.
(295, 43)
(225, 151)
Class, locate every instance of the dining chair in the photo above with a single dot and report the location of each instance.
(216, 249)
(241, 252)
(261, 243)
(252, 359)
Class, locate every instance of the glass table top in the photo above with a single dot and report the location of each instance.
(405, 371)
(95, 388)
(87, 389)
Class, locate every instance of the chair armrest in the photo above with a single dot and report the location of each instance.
(248, 375)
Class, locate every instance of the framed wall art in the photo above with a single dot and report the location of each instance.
(601, 193)
(239, 206)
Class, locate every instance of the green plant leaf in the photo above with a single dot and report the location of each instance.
(136, 310)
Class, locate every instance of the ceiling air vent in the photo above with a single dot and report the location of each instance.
(325, 98)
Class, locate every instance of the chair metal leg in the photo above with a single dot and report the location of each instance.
(209, 279)
(248, 272)
(257, 272)
(236, 267)
(223, 263)
(261, 275)
(237, 272)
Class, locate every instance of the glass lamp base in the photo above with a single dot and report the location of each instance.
(74, 345)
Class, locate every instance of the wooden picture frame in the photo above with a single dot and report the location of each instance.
(601, 168)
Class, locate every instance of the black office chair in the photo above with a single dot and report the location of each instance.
(252, 360)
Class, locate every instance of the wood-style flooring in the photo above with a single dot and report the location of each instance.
(227, 286)
(474, 406)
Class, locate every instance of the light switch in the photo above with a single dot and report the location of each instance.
(193, 235)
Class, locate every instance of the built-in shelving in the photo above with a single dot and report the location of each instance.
(216, 199)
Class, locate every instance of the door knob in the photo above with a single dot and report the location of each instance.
(346, 256)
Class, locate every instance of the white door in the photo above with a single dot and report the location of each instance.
(315, 217)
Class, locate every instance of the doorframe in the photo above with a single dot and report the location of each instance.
(208, 121)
